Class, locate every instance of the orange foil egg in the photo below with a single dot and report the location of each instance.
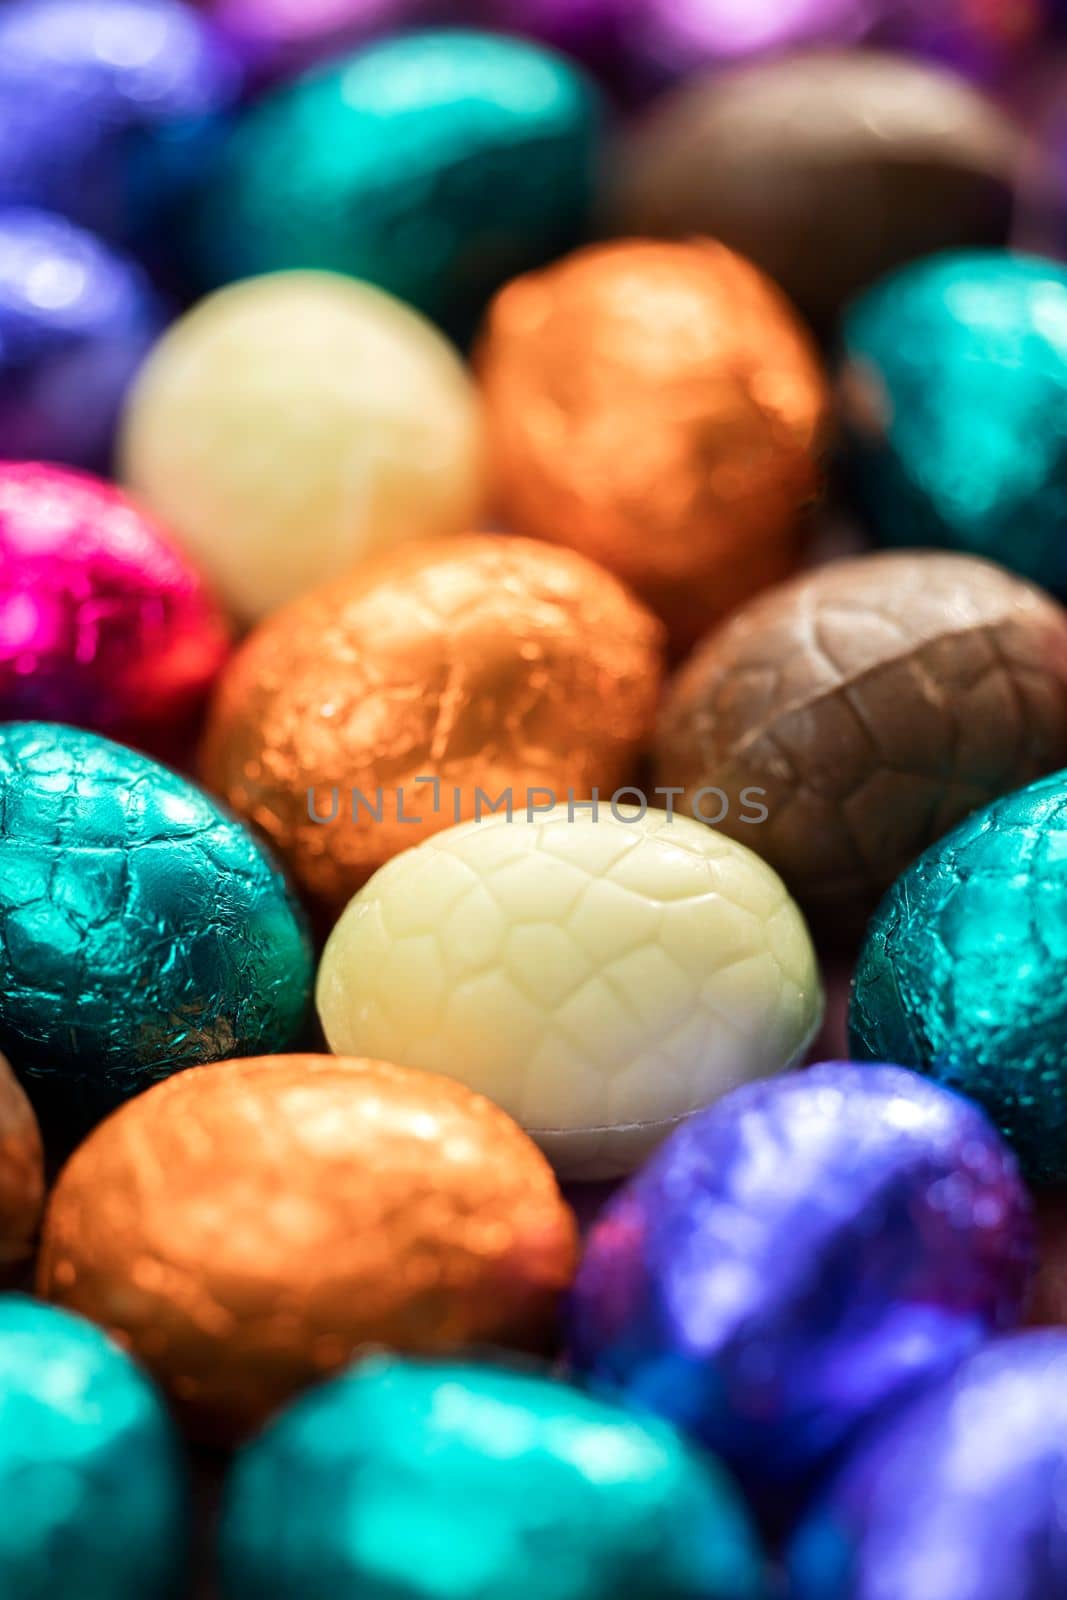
(421, 690)
(661, 408)
(21, 1173)
(244, 1228)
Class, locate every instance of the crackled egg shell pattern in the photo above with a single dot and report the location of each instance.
(599, 979)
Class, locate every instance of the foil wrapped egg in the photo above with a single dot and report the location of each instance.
(960, 975)
(517, 1485)
(76, 321)
(142, 930)
(659, 408)
(413, 694)
(288, 428)
(295, 1209)
(276, 38)
(953, 389)
(103, 623)
(600, 977)
(436, 165)
(871, 705)
(959, 1493)
(84, 1433)
(983, 39)
(809, 1251)
(21, 1174)
(827, 169)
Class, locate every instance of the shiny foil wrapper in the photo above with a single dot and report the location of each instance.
(374, 712)
(961, 1494)
(276, 38)
(871, 704)
(961, 974)
(103, 622)
(659, 408)
(21, 1173)
(800, 1256)
(293, 1210)
(76, 321)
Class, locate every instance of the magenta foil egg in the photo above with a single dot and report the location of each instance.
(103, 622)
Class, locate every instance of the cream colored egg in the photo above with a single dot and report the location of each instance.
(292, 425)
(599, 979)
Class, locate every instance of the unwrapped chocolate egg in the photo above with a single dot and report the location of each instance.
(659, 408)
(142, 930)
(103, 622)
(436, 165)
(804, 1254)
(954, 395)
(827, 169)
(288, 428)
(426, 689)
(600, 977)
(91, 1476)
(76, 321)
(294, 1209)
(870, 705)
(416, 1481)
(960, 1493)
(961, 975)
(21, 1173)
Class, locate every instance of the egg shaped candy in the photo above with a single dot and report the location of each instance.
(103, 623)
(961, 972)
(804, 1253)
(85, 1445)
(868, 706)
(960, 1494)
(278, 37)
(954, 386)
(142, 930)
(295, 1209)
(428, 688)
(21, 1173)
(76, 321)
(600, 978)
(288, 428)
(436, 165)
(659, 408)
(416, 1480)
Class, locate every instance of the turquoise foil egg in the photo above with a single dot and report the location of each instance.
(962, 972)
(403, 1481)
(435, 165)
(954, 396)
(91, 1480)
(142, 930)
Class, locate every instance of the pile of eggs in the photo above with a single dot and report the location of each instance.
(532, 547)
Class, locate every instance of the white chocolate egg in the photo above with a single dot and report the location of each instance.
(600, 979)
(292, 425)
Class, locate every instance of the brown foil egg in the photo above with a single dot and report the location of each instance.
(660, 408)
(405, 698)
(21, 1173)
(244, 1228)
(868, 707)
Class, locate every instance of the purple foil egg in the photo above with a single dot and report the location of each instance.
(278, 37)
(985, 39)
(76, 321)
(800, 1255)
(959, 1497)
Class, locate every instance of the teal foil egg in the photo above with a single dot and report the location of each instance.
(142, 930)
(962, 972)
(402, 1481)
(436, 165)
(91, 1480)
(954, 394)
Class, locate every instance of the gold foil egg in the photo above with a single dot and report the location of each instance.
(21, 1173)
(661, 408)
(423, 689)
(244, 1228)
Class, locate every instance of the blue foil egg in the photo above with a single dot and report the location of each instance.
(142, 930)
(435, 165)
(402, 1481)
(799, 1256)
(91, 1481)
(76, 321)
(962, 971)
(954, 395)
(960, 1496)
